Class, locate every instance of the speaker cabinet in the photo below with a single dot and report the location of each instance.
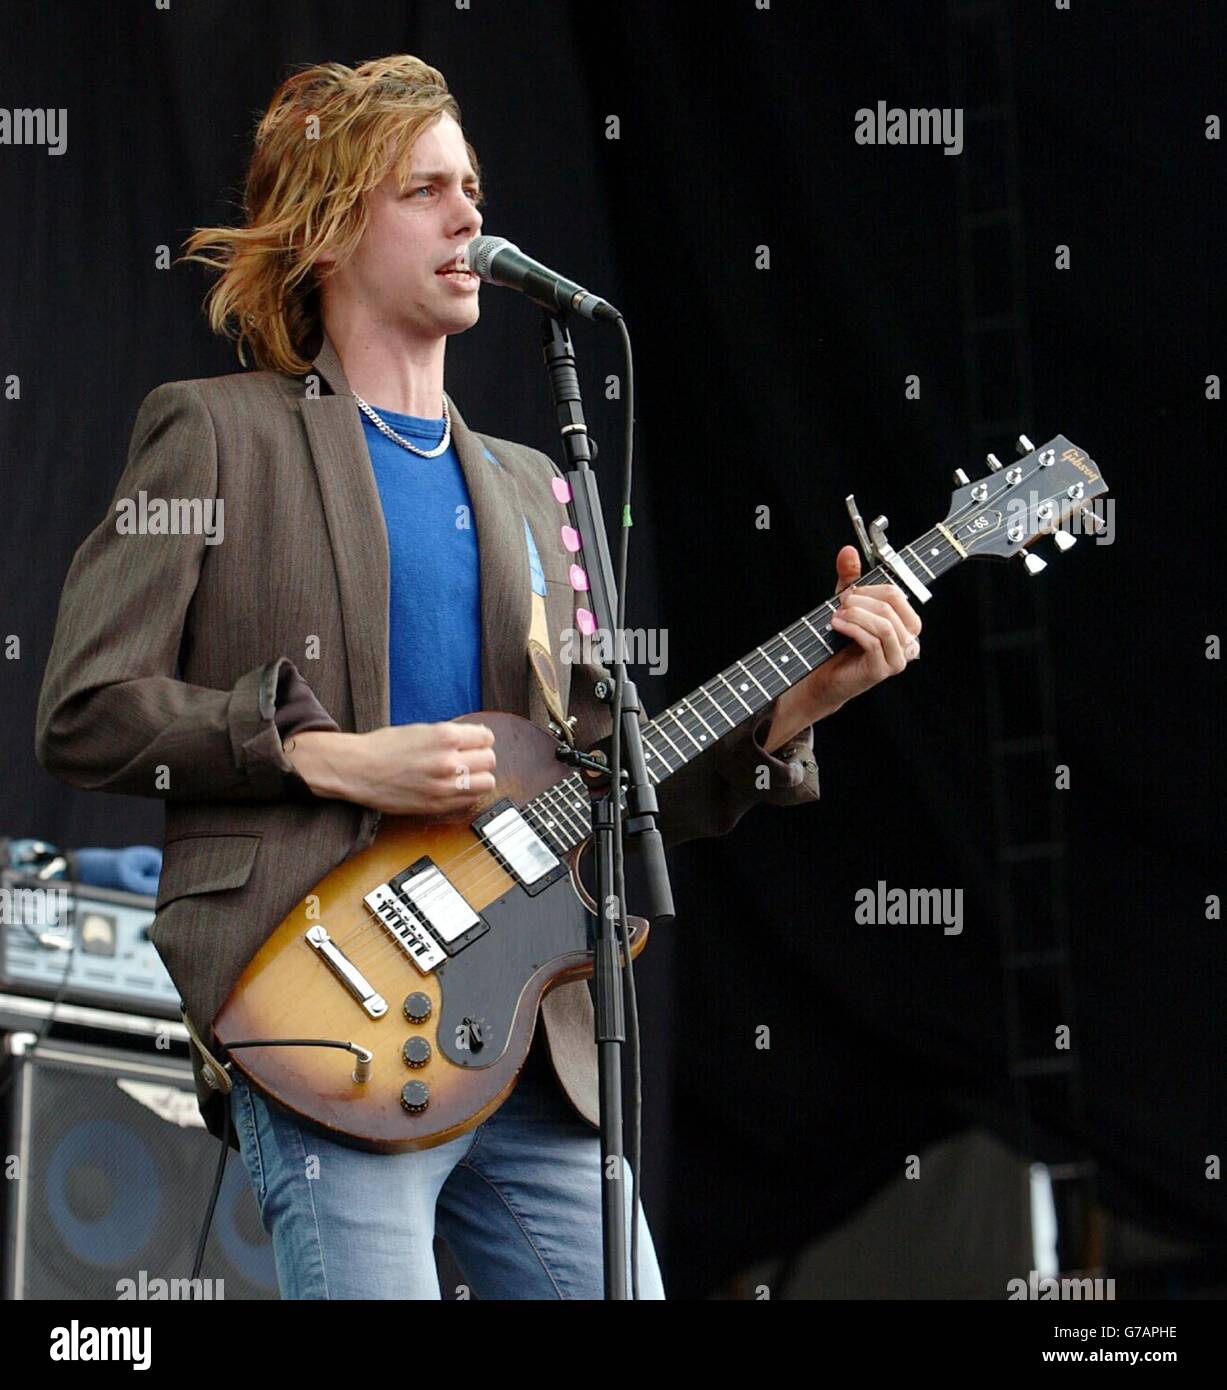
(108, 1173)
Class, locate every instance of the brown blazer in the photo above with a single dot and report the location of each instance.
(164, 669)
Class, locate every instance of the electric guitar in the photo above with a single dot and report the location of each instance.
(418, 964)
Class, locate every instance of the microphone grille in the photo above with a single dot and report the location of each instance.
(482, 250)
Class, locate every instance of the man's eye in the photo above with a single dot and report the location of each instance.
(425, 188)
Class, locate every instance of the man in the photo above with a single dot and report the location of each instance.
(367, 531)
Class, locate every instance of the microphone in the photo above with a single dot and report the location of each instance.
(500, 262)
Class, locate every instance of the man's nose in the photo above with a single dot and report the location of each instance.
(469, 215)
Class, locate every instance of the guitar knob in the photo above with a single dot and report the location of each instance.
(415, 1096)
(1064, 540)
(993, 462)
(1033, 563)
(1024, 445)
(416, 1052)
(961, 478)
(417, 1007)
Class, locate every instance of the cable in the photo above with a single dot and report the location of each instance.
(634, 1120)
(363, 1055)
(217, 1187)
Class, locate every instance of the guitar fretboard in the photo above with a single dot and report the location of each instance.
(561, 815)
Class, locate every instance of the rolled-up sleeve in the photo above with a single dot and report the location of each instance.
(787, 777)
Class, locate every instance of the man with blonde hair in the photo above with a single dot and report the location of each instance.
(344, 467)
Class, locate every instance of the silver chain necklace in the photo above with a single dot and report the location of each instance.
(384, 428)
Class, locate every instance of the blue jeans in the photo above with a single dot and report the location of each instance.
(517, 1199)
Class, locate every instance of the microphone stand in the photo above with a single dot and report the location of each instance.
(610, 1020)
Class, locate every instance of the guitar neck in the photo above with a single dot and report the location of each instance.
(561, 815)
(739, 692)
(1000, 515)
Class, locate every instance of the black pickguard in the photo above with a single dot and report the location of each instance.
(486, 980)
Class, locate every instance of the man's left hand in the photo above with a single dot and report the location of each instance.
(885, 634)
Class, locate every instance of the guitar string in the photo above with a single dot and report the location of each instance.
(561, 810)
(563, 807)
(556, 799)
(561, 791)
(568, 814)
(574, 815)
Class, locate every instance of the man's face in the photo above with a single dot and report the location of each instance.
(394, 275)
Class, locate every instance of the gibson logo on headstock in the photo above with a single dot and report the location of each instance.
(1075, 456)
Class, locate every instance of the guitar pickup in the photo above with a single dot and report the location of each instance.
(437, 905)
(518, 847)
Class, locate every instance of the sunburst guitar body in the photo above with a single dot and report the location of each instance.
(432, 949)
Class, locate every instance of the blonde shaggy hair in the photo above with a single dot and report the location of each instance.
(330, 134)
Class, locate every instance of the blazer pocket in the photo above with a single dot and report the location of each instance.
(202, 862)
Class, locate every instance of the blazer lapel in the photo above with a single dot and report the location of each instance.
(505, 582)
(359, 542)
(357, 535)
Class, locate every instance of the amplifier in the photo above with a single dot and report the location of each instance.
(75, 942)
(110, 1170)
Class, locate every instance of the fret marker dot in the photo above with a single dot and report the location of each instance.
(744, 686)
(933, 551)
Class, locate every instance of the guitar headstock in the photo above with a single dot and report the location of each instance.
(1039, 495)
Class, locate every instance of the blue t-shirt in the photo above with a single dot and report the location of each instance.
(434, 613)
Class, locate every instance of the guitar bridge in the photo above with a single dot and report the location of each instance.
(425, 915)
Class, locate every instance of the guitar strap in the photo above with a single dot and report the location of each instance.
(541, 660)
(215, 1075)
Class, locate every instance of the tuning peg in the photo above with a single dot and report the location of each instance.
(1024, 445)
(1033, 562)
(1064, 541)
(993, 462)
(961, 479)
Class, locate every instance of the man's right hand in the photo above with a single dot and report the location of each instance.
(437, 771)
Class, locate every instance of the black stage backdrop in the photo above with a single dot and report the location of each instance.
(781, 387)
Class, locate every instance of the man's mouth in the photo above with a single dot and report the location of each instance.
(457, 267)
